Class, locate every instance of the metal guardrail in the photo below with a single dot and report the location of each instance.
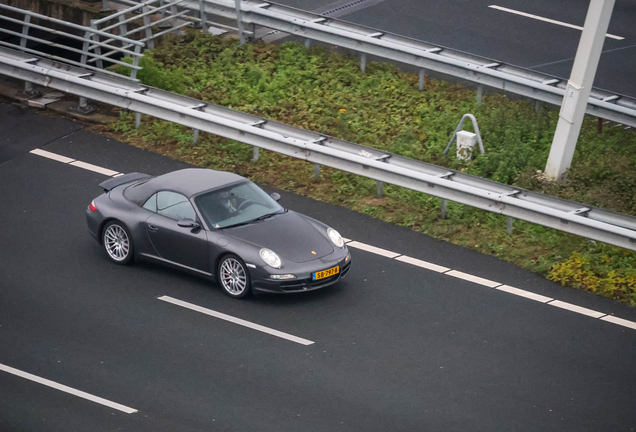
(568, 216)
(422, 55)
(92, 43)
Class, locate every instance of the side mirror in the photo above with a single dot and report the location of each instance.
(276, 196)
(188, 223)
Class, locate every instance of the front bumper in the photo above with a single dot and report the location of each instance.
(303, 282)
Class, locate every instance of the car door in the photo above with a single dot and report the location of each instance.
(182, 246)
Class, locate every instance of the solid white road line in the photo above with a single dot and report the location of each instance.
(95, 168)
(235, 320)
(577, 309)
(53, 156)
(524, 293)
(67, 389)
(423, 264)
(619, 321)
(475, 279)
(373, 249)
(548, 20)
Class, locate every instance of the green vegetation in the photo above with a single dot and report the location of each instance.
(326, 92)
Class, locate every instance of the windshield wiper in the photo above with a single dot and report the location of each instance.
(266, 216)
(260, 218)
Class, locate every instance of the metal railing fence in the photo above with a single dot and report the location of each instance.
(421, 55)
(93, 41)
(567, 216)
(166, 15)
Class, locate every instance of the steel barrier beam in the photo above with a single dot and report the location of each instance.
(594, 223)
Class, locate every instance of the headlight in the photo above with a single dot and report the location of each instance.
(335, 237)
(270, 258)
(283, 277)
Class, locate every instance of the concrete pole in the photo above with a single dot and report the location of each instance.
(579, 86)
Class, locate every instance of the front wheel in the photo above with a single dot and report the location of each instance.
(234, 277)
(118, 242)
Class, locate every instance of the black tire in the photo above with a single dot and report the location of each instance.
(118, 243)
(233, 276)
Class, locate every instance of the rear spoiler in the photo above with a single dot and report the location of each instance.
(112, 183)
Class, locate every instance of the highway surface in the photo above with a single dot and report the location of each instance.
(474, 26)
(441, 344)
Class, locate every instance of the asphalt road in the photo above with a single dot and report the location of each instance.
(473, 27)
(396, 347)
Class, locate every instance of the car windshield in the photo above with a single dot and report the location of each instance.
(236, 204)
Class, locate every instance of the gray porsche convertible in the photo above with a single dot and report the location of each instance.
(217, 225)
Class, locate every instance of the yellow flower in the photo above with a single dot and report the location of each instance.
(342, 110)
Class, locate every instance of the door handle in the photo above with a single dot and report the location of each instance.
(152, 227)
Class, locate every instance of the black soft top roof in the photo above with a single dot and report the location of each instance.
(188, 182)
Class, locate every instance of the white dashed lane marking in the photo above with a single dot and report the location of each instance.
(94, 168)
(424, 264)
(524, 293)
(577, 309)
(548, 20)
(375, 250)
(66, 389)
(619, 321)
(76, 163)
(474, 279)
(235, 320)
(53, 156)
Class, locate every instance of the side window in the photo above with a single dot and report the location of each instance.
(151, 204)
(175, 206)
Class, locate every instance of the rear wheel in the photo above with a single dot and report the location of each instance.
(118, 242)
(234, 277)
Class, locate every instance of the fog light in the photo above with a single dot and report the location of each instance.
(348, 257)
(285, 276)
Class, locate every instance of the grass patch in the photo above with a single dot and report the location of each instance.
(326, 92)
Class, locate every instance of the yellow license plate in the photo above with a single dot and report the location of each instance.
(326, 273)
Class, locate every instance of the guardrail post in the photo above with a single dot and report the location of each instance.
(537, 106)
(254, 154)
(105, 6)
(135, 61)
(85, 45)
(307, 43)
(97, 48)
(443, 208)
(599, 126)
(173, 12)
(164, 24)
(363, 61)
(84, 108)
(195, 136)
(509, 227)
(150, 43)
(316, 170)
(123, 30)
(25, 31)
(239, 22)
(480, 93)
(137, 120)
(203, 16)
(422, 79)
(380, 187)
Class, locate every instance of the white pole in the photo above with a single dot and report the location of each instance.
(579, 87)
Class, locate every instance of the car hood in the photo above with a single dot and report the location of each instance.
(289, 234)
